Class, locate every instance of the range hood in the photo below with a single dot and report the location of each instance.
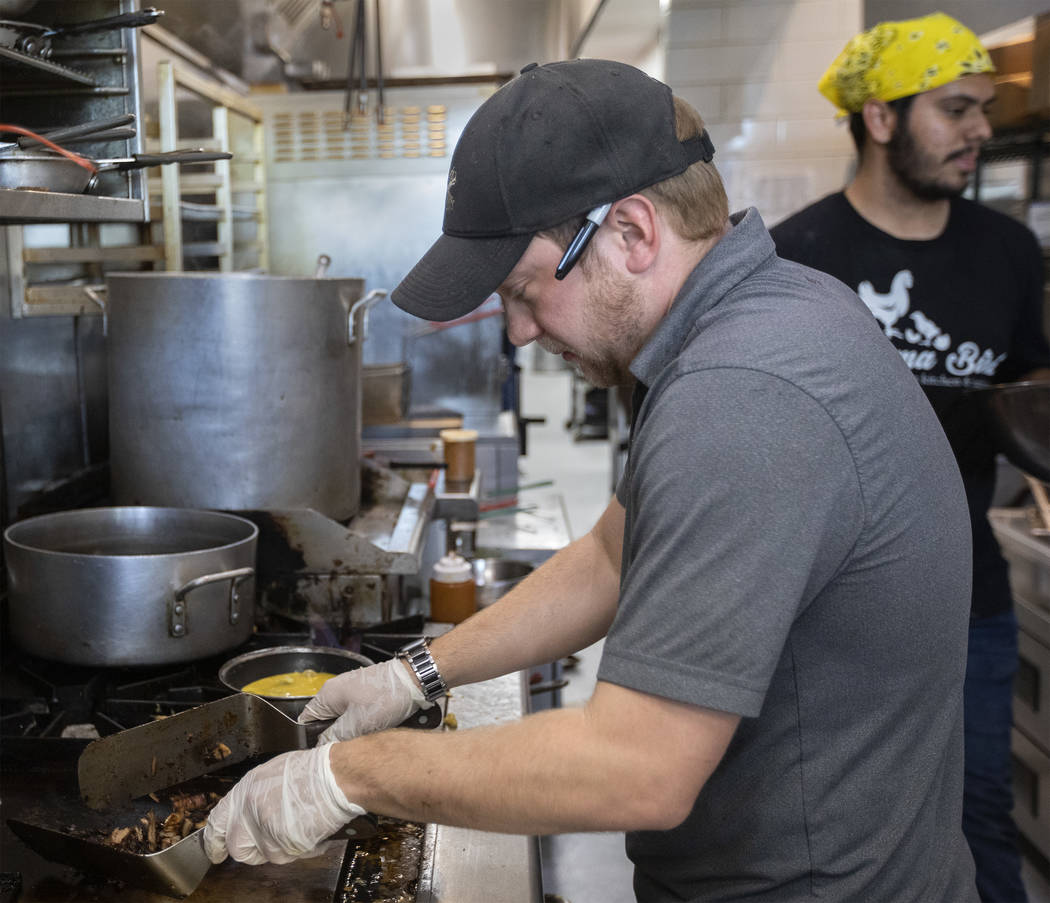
(275, 41)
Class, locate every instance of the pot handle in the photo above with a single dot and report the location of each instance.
(377, 294)
(177, 625)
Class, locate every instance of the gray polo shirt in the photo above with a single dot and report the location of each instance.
(797, 551)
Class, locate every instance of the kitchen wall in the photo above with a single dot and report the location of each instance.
(751, 69)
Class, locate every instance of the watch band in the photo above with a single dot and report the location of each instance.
(417, 654)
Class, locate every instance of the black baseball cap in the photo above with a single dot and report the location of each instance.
(553, 143)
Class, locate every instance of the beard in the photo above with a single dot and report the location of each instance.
(613, 308)
(914, 168)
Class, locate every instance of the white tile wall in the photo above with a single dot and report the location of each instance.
(767, 21)
(813, 137)
(770, 100)
(751, 68)
(729, 60)
(742, 139)
(707, 99)
(695, 27)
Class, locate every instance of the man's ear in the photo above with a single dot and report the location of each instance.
(880, 119)
(635, 232)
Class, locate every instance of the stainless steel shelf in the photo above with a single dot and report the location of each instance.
(22, 207)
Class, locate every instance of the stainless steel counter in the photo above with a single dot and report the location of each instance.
(478, 866)
(532, 531)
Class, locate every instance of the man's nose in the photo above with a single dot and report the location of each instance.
(980, 126)
(521, 328)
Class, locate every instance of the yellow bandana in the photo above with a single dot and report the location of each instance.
(897, 59)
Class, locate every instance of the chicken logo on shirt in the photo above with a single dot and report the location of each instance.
(929, 333)
(889, 307)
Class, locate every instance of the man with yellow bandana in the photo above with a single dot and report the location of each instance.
(957, 288)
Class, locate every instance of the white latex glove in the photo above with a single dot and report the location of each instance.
(365, 700)
(282, 810)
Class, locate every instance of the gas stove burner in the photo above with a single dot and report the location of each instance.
(49, 712)
(50, 700)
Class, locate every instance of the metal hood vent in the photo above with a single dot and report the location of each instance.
(274, 41)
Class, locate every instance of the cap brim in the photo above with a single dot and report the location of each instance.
(457, 274)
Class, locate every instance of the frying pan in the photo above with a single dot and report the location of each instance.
(45, 172)
(251, 666)
(71, 173)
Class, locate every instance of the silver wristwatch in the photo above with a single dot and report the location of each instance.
(417, 654)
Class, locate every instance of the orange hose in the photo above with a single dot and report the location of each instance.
(76, 158)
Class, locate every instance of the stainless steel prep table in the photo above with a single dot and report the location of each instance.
(532, 531)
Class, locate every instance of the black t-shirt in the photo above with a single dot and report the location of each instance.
(964, 310)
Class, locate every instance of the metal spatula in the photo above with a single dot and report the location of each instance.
(174, 872)
(120, 768)
(210, 737)
(169, 751)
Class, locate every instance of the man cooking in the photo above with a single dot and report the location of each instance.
(958, 289)
(781, 577)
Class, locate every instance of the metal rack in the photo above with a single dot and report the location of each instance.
(26, 207)
(70, 279)
(237, 127)
(89, 76)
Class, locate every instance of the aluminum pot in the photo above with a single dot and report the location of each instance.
(240, 671)
(236, 391)
(130, 586)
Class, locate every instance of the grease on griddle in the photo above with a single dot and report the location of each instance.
(383, 868)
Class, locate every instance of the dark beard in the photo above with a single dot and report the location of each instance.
(907, 163)
(613, 300)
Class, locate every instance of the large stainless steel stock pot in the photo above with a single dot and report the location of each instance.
(130, 586)
(236, 391)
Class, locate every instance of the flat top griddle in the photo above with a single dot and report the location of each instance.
(38, 785)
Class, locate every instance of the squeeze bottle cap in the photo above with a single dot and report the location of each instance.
(452, 568)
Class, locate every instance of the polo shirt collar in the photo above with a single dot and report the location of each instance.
(740, 252)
